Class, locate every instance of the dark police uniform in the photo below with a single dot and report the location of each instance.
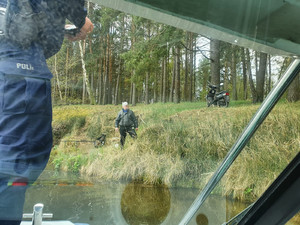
(25, 106)
(128, 123)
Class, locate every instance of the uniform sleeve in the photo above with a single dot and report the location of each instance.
(136, 124)
(76, 12)
(118, 120)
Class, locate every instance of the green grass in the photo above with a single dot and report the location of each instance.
(180, 145)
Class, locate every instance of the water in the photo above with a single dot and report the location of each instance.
(94, 202)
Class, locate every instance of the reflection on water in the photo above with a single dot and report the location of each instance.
(201, 219)
(100, 203)
(143, 204)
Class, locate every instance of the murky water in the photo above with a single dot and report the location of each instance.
(100, 203)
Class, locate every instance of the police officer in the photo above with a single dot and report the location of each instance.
(25, 101)
(127, 122)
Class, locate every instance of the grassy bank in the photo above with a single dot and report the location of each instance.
(179, 145)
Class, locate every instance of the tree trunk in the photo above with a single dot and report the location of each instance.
(260, 78)
(155, 88)
(54, 91)
(286, 62)
(226, 74)
(205, 76)
(106, 76)
(83, 80)
(147, 99)
(92, 83)
(130, 97)
(191, 66)
(117, 89)
(294, 90)
(185, 86)
(270, 75)
(67, 74)
(194, 70)
(119, 84)
(215, 62)
(85, 77)
(245, 89)
(162, 82)
(147, 88)
(100, 81)
(110, 73)
(256, 63)
(167, 74)
(233, 74)
(164, 99)
(133, 94)
(177, 81)
(171, 97)
(83, 90)
(133, 86)
(57, 78)
(122, 96)
(251, 83)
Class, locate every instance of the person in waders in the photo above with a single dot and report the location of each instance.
(30, 32)
(126, 122)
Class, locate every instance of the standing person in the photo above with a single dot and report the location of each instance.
(25, 95)
(127, 122)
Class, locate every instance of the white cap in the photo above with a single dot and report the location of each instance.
(124, 104)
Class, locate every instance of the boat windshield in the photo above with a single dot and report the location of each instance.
(145, 112)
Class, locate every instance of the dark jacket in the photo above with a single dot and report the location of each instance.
(126, 119)
(57, 12)
(50, 40)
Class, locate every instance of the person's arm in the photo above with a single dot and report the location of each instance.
(76, 13)
(135, 121)
(117, 122)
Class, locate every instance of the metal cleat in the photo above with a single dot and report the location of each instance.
(37, 215)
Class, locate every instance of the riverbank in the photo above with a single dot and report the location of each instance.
(178, 145)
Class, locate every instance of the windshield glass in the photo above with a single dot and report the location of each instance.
(121, 112)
